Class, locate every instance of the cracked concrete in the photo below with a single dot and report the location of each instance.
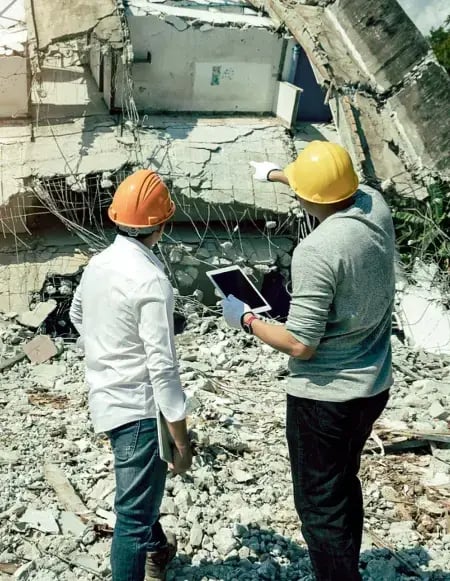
(182, 17)
(205, 160)
(75, 18)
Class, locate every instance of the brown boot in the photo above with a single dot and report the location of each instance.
(157, 563)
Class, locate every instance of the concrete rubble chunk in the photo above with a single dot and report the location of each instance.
(47, 373)
(241, 473)
(437, 410)
(40, 349)
(108, 516)
(196, 536)
(9, 456)
(65, 492)
(38, 315)
(71, 524)
(41, 520)
(224, 541)
(23, 572)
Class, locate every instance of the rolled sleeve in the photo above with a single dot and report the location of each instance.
(313, 289)
(156, 330)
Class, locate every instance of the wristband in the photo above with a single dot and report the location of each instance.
(247, 326)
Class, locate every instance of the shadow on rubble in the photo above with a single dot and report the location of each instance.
(264, 554)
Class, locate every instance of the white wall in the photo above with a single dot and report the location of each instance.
(94, 59)
(220, 69)
(14, 88)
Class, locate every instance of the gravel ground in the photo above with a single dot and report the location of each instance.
(233, 514)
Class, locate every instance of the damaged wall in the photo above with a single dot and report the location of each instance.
(72, 19)
(372, 54)
(14, 93)
(187, 255)
(203, 68)
(14, 73)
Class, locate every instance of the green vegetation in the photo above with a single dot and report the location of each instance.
(423, 227)
(439, 39)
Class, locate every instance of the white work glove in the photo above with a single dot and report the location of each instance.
(262, 169)
(233, 311)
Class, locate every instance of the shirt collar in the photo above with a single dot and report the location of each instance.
(130, 243)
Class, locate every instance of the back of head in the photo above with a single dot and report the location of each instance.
(141, 204)
(323, 173)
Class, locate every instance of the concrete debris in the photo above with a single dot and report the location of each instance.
(71, 524)
(46, 374)
(37, 316)
(6, 363)
(234, 514)
(422, 313)
(40, 349)
(63, 489)
(41, 520)
(9, 457)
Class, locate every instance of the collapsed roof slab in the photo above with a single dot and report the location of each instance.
(206, 161)
(177, 15)
(69, 19)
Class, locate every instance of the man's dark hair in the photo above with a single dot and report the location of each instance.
(139, 237)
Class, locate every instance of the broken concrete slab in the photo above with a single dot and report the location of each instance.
(65, 492)
(40, 349)
(34, 318)
(9, 456)
(383, 37)
(7, 362)
(421, 111)
(41, 520)
(438, 411)
(75, 18)
(108, 516)
(71, 524)
(425, 321)
(46, 374)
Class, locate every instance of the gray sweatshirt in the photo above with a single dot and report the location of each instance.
(342, 298)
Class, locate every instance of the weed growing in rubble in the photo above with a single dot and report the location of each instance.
(423, 226)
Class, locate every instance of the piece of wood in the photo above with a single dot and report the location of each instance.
(382, 544)
(65, 492)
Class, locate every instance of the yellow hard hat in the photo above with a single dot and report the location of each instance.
(322, 173)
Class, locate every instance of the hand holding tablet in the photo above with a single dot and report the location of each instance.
(233, 281)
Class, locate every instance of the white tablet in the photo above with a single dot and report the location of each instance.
(233, 281)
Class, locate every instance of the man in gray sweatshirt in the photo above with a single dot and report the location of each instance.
(338, 337)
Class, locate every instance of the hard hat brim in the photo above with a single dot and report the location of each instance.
(141, 226)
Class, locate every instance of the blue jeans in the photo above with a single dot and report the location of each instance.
(140, 479)
(325, 442)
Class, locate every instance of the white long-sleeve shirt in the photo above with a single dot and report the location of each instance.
(123, 310)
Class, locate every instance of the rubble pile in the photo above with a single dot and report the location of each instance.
(233, 513)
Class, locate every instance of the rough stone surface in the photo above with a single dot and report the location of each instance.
(422, 107)
(37, 316)
(74, 18)
(385, 38)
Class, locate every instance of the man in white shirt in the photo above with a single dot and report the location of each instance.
(123, 310)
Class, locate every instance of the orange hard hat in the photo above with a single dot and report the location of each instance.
(141, 201)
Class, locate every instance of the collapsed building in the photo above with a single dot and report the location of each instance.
(197, 90)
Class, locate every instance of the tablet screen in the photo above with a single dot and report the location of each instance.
(233, 282)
